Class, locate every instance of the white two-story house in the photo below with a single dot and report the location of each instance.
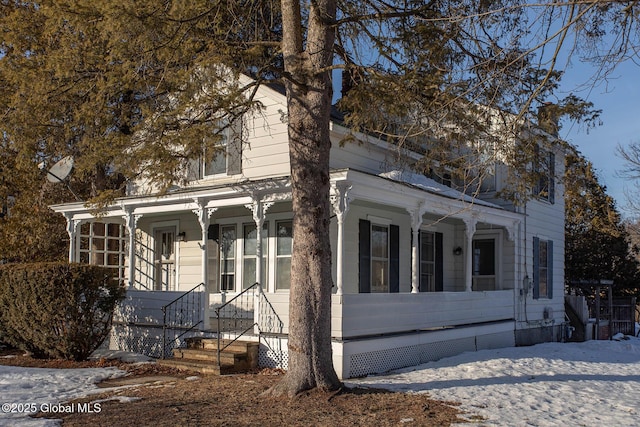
(421, 270)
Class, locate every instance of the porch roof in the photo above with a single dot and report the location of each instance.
(419, 197)
(188, 198)
(415, 195)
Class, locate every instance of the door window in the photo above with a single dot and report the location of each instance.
(165, 259)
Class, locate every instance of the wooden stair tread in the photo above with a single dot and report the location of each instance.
(203, 367)
(201, 355)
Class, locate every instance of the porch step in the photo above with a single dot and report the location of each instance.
(206, 368)
(201, 355)
(212, 344)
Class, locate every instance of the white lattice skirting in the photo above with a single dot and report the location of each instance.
(354, 358)
(378, 355)
(381, 354)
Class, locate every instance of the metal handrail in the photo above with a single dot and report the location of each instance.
(186, 328)
(256, 285)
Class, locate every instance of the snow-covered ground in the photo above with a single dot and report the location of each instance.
(596, 383)
(24, 391)
(575, 384)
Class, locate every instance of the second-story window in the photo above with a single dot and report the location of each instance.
(545, 170)
(227, 159)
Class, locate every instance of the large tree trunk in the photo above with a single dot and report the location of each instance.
(309, 95)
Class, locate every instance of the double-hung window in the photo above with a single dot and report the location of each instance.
(226, 158)
(284, 248)
(250, 253)
(227, 257)
(542, 268)
(378, 257)
(545, 170)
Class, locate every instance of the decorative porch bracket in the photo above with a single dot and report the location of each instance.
(416, 223)
(258, 209)
(130, 221)
(340, 200)
(204, 219)
(470, 230)
(72, 229)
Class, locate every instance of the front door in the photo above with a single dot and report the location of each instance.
(165, 259)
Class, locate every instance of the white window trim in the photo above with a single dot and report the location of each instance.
(219, 153)
(121, 269)
(377, 220)
(269, 252)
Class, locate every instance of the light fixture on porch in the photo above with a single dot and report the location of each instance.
(182, 236)
(457, 250)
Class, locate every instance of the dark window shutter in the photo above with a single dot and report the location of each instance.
(536, 268)
(550, 269)
(394, 259)
(234, 148)
(439, 264)
(213, 232)
(364, 265)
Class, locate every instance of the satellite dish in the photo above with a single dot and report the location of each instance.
(59, 173)
(60, 170)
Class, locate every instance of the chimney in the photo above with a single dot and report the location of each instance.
(549, 118)
(350, 79)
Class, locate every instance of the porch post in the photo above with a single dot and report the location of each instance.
(131, 220)
(258, 209)
(204, 219)
(416, 223)
(470, 229)
(340, 202)
(72, 228)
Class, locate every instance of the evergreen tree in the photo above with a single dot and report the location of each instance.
(597, 244)
(155, 80)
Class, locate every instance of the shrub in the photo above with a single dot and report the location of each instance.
(57, 310)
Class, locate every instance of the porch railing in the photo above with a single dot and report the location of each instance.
(238, 316)
(268, 320)
(181, 316)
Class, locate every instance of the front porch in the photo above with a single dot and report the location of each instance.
(405, 328)
(413, 261)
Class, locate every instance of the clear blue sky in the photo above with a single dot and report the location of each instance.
(619, 100)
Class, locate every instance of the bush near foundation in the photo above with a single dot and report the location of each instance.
(57, 310)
